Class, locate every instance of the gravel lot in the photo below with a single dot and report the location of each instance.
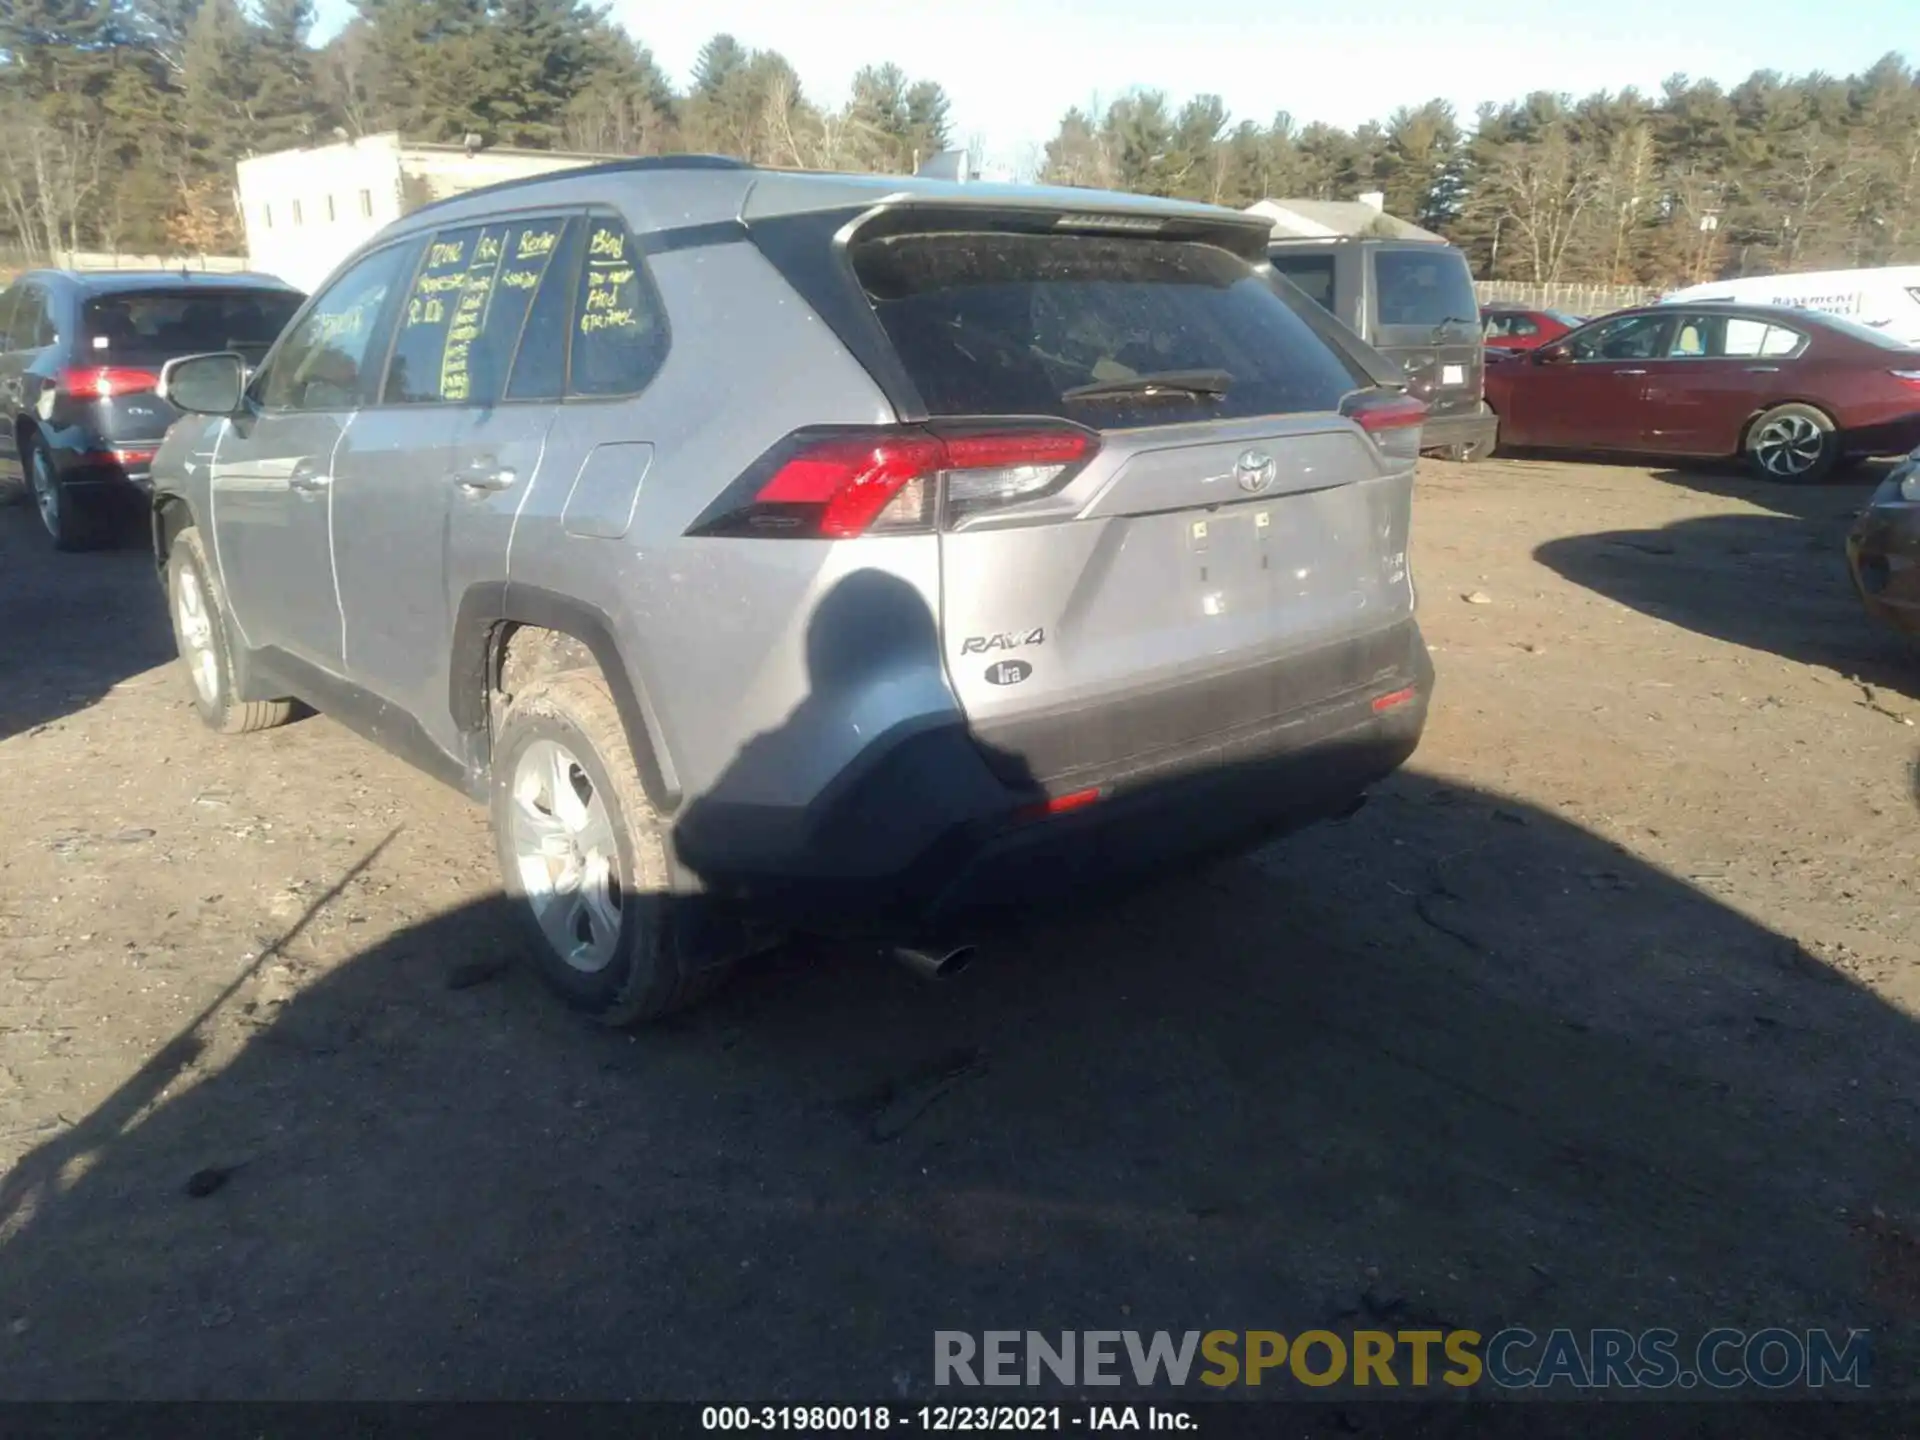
(1603, 1013)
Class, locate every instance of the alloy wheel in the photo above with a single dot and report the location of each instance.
(46, 492)
(567, 855)
(1789, 445)
(194, 623)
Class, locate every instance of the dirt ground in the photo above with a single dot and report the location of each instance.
(1602, 1014)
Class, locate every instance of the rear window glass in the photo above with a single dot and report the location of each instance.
(185, 322)
(1312, 273)
(1423, 287)
(992, 323)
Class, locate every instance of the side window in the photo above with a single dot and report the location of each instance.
(1781, 342)
(331, 359)
(530, 252)
(415, 373)
(1523, 325)
(619, 329)
(540, 364)
(1631, 337)
(1312, 273)
(31, 326)
(465, 312)
(1744, 337)
(1694, 339)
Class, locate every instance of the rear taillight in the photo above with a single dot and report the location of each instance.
(838, 484)
(103, 382)
(1393, 421)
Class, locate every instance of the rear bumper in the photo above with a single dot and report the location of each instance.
(1475, 429)
(1883, 556)
(99, 469)
(931, 842)
(1891, 437)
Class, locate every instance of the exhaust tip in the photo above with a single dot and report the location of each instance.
(941, 964)
(955, 962)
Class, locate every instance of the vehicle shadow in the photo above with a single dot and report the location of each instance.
(1451, 1062)
(77, 625)
(1776, 583)
(1834, 501)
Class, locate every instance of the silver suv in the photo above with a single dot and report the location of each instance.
(782, 552)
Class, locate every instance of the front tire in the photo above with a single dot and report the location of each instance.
(201, 635)
(1795, 443)
(71, 520)
(584, 854)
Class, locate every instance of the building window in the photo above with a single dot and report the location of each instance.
(330, 215)
(366, 204)
(296, 212)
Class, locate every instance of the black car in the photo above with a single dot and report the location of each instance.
(80, 354)
(1413, 300)
(1883, 550)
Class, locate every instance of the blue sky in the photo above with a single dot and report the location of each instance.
(1013, 66)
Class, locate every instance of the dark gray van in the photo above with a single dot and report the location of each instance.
(1412, 300)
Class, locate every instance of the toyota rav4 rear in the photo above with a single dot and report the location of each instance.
(1123, 583)
(778, 551)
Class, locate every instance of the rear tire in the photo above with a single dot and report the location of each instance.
(584, 854)
(1795, 444)
(72, 520)
(201, 634)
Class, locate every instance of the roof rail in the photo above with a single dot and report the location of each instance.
(640, 164)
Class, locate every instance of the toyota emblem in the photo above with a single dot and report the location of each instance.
(1254, 470)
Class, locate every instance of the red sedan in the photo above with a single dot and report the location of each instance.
(1793, 391)
(1515, 327)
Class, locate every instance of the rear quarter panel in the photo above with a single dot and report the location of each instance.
(716, 632)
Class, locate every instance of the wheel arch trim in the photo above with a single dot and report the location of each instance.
(487, 612)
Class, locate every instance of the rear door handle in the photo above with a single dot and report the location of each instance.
(1763, 369)
(1629, 372)
(483, 476)
(305, 480)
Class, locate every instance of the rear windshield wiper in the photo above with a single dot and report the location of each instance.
(1209, 384)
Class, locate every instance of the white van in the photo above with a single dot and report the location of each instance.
(1886, 299)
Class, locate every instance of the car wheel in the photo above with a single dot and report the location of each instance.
(1794, 443)
(70, 520)
(200, 633)
(585, 856)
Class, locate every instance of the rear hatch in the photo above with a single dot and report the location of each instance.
(126, 336)
(1175, 502)
(1425, 316)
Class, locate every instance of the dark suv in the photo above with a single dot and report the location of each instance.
(1413, 300)
(80, 354)
(810, 552)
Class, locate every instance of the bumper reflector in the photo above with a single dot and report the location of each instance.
(1393, 699)
(1058, 804)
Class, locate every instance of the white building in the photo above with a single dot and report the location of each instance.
(1331, 219)
(306, 210)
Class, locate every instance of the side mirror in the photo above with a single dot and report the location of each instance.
(204, 384)
(1552, 355)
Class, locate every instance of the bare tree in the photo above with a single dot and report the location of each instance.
(1811, 182)
(1626, 191)
(49, 176)
(1540, 188)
